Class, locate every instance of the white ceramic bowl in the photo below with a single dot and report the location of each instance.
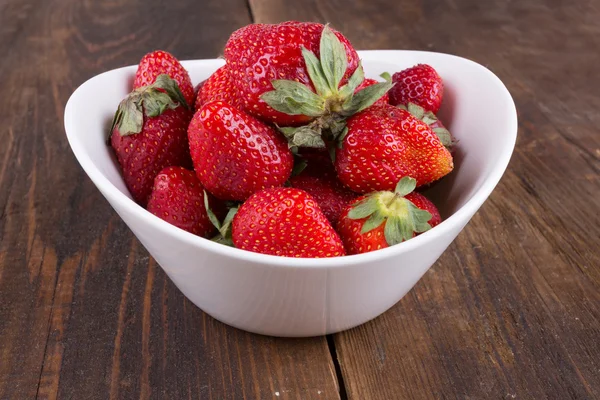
(307, 297)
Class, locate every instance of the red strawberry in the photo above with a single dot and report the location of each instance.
(285, 222)
(178, 198)
(160, 62)
(385, 99)
(328, 192)
(421, 85)
(383, 219)
(384, 144)
(219, 86)
(235, 154)
(293, 73)
(149, 133)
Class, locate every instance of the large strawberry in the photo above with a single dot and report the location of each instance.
(382, 219)
(218, 86)
(235, 154)
(421, 85)
(149, 133)
(178, 198)
(384, 144)
(161, 62)
(285, 222)
(294, 73)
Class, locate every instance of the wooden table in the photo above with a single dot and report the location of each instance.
(510, 311)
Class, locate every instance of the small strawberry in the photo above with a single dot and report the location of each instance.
(382, 219)
(384, 144)
(298, 73)
(434, 123)
(218, 86)
(235, 154)
(178, 198)
(421, 85)
(148, 133)
(328, 192)
(160, 62)
(285, 222)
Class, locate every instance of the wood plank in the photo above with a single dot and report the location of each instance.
(511, 309)
(85, 313)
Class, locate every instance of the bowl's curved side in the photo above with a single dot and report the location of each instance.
(305, 297)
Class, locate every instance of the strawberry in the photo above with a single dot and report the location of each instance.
(160, 62)
(235, 154)
(285, 222)
(384, 144)
(148, 133)
(328, 192)
(298, 73)
(178, 198)
(421, 85)
(219, 86)
(382, 219)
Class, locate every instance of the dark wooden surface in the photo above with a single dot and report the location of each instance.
(510, 311)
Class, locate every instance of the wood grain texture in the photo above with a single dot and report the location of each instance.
(84, 312)
(511, 310)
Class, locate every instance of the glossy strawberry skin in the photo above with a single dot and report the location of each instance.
(259, 53)
(161, 143)
(218, 87)
(384, 144)
(235, 154)
(285, 222)
(421, 85)
(356, 242)
(178, 198)
(161, 62)
(385, 99)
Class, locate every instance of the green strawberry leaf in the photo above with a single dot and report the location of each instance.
(211, 215)
(333, 58)
(294, 98)
(386, 76)
(307, 137)
(354, 82)
(170, 86)
(420, 218)
(315, 72)
(444, 135)
(416, 110)
(299, 166)
(156, 102)
(365, 98)
(225, 229)
(227, 241)
(397, 229)
(405, 186)
(364, 208)
(374, 221)
(287, 131)
(130, 116)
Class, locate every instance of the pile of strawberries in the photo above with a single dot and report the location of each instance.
(287, 149)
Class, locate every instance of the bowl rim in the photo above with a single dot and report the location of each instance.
(462, 215)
